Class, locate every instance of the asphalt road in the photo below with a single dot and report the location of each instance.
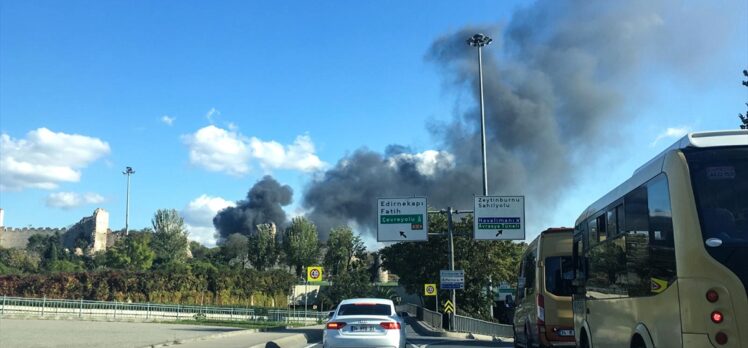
(33, 333)
(416, 340)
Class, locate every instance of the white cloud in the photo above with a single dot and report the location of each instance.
(198, 217)
(427, 162)
(671, 133)
(69, 200)
(220, 150)
(45, 158)
(297, 156)
(168, 120)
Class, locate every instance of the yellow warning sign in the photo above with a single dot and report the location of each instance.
(449, 307)
(314, 274)
(429, 290)
(658, 285)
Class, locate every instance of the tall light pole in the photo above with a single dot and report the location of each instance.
(479, 40)
(128, 171)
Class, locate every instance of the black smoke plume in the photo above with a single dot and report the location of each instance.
(557, 80)
(264, 204)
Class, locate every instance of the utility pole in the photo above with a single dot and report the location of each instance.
(128, 171)
(479, 40)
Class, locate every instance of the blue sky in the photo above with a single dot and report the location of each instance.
(138, 81)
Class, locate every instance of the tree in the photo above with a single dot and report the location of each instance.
(347, 284)
(342, 249)
(301, 244)
(234, 249)
(15, 261)
(48, 248)
(132, 252)
(170, 236)
(481, 261)
(262, 250)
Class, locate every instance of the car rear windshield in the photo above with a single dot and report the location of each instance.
(558, 275)
(365, 309)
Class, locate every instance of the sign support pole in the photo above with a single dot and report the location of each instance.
(436, 306)
(451, 265)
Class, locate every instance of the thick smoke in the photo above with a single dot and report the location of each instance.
(264, 204)
(554, 98)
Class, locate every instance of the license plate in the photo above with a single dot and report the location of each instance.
(566, 332)
(362, 328)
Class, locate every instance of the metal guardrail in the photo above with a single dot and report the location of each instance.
(407, 307)
(43, 307)
(461, 323)
(434, 319)
(481, 327)
(291, 316)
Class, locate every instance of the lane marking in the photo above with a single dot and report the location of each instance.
(312, 345)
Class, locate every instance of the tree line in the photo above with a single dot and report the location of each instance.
(160, 264)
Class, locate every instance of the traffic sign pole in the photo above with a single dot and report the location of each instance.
(436, 306)
(451, 264)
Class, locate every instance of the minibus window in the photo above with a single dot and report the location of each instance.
(559, 273)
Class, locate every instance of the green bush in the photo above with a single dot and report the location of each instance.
(178, 285)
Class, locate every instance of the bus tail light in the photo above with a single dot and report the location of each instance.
(540, 301)
(721, 338)
(717, 317)
(712, 296)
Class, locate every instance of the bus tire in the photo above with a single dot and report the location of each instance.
(638, 342)
(583, 343)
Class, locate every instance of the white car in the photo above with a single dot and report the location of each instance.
(365, 322)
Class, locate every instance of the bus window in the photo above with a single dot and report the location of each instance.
(607, 270)
(650, 254)
(612, 223)
(637, 210)
(621, 220)
(558, 275)
(529, 272)
(601, 227)
(592, 233)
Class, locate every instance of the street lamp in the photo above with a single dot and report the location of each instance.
(480, 40)
(128, 171)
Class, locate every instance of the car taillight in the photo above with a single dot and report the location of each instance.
(540, 301)
(389, 325)
(712, 296)
(721, 338)
(717, 317)
(335, 325)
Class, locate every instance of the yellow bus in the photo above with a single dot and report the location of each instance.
(662, 260)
